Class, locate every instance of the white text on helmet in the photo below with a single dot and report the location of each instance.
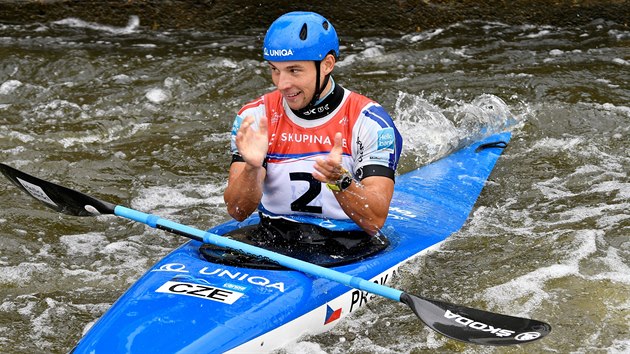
(278, 52)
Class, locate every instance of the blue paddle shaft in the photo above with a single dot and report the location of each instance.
(291, 263)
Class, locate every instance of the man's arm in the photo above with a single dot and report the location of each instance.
(244, 189)
(245, 181)
(366, 202)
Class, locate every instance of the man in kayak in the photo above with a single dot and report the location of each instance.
(311, 153)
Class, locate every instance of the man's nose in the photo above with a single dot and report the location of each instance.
(284, 81)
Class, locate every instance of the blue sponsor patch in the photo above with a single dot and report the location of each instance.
(237, 124)
(386, 139)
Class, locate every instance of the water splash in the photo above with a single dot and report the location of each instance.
(431, 132)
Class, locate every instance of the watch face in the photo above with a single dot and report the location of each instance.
(345, 182)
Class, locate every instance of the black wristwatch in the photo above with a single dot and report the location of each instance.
(342, 183)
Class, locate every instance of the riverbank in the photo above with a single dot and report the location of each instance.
(368, 16)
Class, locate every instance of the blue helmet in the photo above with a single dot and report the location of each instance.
(300, 36)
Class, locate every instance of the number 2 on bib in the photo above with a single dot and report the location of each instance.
(315, 187)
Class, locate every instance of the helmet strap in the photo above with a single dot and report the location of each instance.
(318, 89)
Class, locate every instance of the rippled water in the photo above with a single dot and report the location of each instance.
(142, 118)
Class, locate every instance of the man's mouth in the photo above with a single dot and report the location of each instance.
(292, 95)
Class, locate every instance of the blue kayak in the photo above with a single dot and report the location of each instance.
(187, 304)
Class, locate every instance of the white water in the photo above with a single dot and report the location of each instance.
(139, 118)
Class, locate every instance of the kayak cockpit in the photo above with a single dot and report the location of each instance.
(309, 243)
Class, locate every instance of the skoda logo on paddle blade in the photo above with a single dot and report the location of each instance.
(527, 336)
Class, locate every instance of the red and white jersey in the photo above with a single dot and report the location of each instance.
(369, 140)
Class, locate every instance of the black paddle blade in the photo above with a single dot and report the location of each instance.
(59, 198)
(473, 325)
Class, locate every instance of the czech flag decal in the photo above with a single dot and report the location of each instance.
(332, 315)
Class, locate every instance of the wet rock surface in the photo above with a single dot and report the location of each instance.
(369, 16)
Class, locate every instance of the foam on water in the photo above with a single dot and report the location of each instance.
(157, 95)
(200, 206)
(20, 136)
(619, 34)
(9, 86)
(23, 272)
(304, 348)
(176, 197)
(83, 244)
(532, 285)
(423, 36)
(114, 133)
(132, 25)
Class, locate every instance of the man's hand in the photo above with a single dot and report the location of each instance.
(253, 143)
(245, 181)
(330, 170)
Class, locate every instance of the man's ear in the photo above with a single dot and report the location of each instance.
(328, 64)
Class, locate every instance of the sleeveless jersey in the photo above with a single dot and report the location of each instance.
(369, 139)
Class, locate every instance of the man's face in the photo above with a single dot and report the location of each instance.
(295, 80)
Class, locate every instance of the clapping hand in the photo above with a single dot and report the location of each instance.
(253, 143)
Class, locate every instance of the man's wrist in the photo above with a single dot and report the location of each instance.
(344, 181)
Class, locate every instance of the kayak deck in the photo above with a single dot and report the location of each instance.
(187, 304)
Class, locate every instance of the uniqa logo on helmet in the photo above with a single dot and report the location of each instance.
(277, 52)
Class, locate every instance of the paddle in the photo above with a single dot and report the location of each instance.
(454, 321)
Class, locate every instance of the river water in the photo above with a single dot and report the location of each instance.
(142, 118)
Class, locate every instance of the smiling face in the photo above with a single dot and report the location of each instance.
(296, 80)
